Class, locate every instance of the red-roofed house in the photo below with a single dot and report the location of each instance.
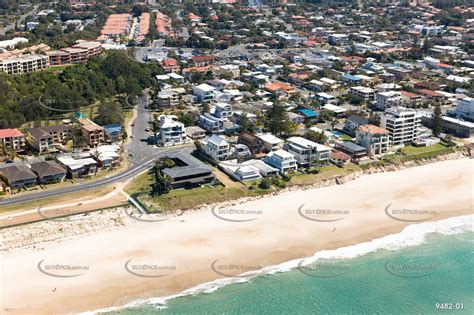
(373, 138)
(12, 138)
(430, 94)
(200, 61)
(170, 65)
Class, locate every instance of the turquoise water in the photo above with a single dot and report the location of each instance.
(407, 281)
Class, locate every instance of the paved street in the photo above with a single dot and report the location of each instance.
(143, 158)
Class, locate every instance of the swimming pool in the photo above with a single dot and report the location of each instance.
(337, 133)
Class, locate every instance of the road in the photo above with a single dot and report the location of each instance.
(143, 157)
(19, 21)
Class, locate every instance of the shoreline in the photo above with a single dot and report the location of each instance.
(189, 241)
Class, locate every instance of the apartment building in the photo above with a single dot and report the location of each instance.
(94, 134)
(24, 64)
(12, 139)
(216, 147)
(168, 98)
(308, 152)
(403, 125)
(282, 160)
(465, 108)
(172, 132)
(366, 93)
(41, 140)
(373, 138)
(384, 100)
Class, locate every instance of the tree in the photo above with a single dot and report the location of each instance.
(4, 182)
(316, 136)
(437, 121)
(277, 119)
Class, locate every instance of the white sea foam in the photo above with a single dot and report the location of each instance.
(411, 235)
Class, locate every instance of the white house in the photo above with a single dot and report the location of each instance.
(282, 160)
(306, 151)
(388, 99)
(270, 142)
(211, 123)
(223, 110)
(204, 92)
(172, 132)
(373, 138)
(216, 147)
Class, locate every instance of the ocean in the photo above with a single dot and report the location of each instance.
(425, 269)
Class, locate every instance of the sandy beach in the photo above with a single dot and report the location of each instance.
(139, 260)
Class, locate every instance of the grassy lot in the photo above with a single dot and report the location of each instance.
(91, 193)
(412, 152)
(192, 198)
(326, 172)
(140, 184)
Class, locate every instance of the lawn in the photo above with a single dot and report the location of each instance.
(191, 198)
(326, 172)
(140, 184)
(411, 152)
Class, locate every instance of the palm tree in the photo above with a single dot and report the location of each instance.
(4, 182)
(97, 155)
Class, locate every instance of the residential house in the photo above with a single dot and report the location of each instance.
(107, 156)
(366, 93)
(189, 172)
(12, 139)
(356, 152)
(239, 171)
(48, 172)
(195, 132)
(81, 165)
(172, 132)
(281, 160)
(339, 158)
(113, 133)
(19, 176)
(279, 88)
(216, 147)
(201, 61)
(211, 123)
(353, 122)
(388, 99)
(168, 98)
(222, 110)
(308, 153)
(253, 142)
(374, 139)
(170, 65)
(203, 92)
(270, 142)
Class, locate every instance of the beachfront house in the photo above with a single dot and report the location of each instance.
(374, 139)
(211, 123)
(281, 160)
(172, 132)
(216, 147)
(270, 142)
(308, 152)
